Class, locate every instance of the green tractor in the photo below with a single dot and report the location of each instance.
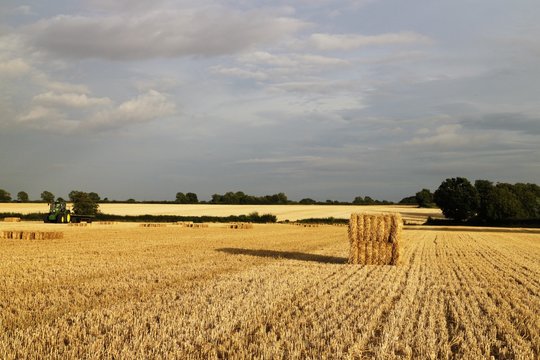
(60, 214)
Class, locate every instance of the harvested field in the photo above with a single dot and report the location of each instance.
(276, 291)
(283, 212)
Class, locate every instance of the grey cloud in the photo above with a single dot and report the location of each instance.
(506, 121)
(160, 33)
(324, 41)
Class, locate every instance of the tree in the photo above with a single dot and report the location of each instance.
(359, 200)
(192, 198)
(4, 196)
(181, 198)
(409, 200)
(503, 204)
(47, 197)
(457, 198)
(22, 196)
(307, 201)
(484, 189)
(94, 196)
(83, 203)
(424, 198)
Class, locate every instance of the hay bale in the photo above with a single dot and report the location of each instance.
(78, 224)
(152, 225)
(240, 226)
(374, 239)
(106, 222)
(32, 235)
(12, 219)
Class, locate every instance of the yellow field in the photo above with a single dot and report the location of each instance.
(274, 291)
(283, 212)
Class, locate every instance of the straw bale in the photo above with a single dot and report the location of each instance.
(32, 235)
(374, 239)
(152, 225)
(12, 219)
(240, 226)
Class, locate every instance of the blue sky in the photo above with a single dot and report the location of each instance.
(322, 99)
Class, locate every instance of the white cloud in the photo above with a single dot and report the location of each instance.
(163, 32)
(239, 73)
(14, 68)
(324, 41)
(53, 112)
(146, 107)
(72, 100)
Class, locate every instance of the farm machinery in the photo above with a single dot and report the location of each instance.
(60, 214)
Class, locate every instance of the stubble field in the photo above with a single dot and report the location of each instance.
(282, 212)
(274, 291)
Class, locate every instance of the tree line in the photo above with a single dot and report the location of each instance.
(229, 198)
(487, 202)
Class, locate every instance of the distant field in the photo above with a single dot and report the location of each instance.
(274, 292)
(283, 212)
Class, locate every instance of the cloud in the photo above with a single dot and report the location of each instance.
(161, 33)
(146, 107)
(322, 41)
(239, 72)
(14, 68)
(64, 113)
(507, 122)
(72, 100)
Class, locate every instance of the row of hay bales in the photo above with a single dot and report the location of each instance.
(32, 235)
(240, 226)
(305, 224)
(12, 219)
(375, 239)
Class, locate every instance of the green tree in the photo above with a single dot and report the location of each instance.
(94, 196)
(191, 198)
(359, 200)
(47, 196)
(409, 200)
(457, 199)
(181, 198)
(22, 196)
(307, 201)
(83, 203)
(424, 198)
(4, 196)
(503, 204)
(484, 189)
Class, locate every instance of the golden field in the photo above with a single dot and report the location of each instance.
(283, 212)
(273, 291)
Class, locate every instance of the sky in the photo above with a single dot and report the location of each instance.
(314, 98)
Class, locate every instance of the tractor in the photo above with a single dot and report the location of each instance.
(60, 214)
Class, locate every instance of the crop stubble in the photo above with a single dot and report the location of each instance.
(275, 291)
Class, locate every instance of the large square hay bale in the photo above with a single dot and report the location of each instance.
(374, 239)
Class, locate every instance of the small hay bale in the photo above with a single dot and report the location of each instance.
(152, 225)
(78, 224)
(374, 239)
(106, 222)
(196, 225)
(240, 226)
(32, 235)
(12, 219)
